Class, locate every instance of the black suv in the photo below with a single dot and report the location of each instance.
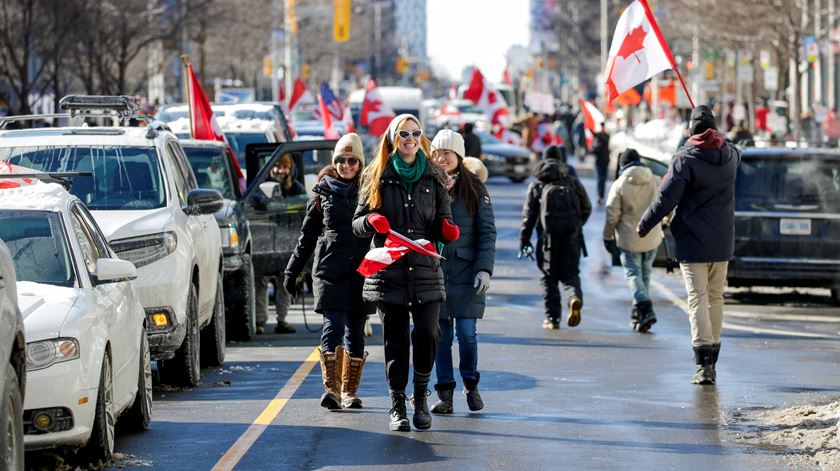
(787, 219)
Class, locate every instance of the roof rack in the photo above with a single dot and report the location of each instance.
(62, 178)
(123, 107)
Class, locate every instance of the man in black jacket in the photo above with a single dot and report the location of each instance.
(700, 184)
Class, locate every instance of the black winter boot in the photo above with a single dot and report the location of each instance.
(445, 392)
(422, 417)
(715, 353)
(703, 358)
(474, 401)
(646, 316)
(634, 317)
(399, 416)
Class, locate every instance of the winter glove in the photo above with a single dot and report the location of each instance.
(379, 222)
(450, 231)
(526, 250)
(612, 247)
(291, 285)
(482, 282)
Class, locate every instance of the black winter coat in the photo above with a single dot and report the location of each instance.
(700, 184)
(328, 233)
(414, 278)
(556, 256)
(474, 251)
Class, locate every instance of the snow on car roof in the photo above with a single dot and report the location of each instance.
(50, 293)
(37, 197)
(76, 136)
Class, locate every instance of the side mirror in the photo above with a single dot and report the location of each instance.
(112, 270)
(203, 201)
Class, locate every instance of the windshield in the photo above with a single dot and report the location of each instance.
(210, 169)
(487, 138)
(238, 141)
(788, 183)
(123, 177)
(36, 241)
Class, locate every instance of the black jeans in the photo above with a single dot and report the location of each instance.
(551, 293)
(601, 169)
(350, 326)
(423, 338)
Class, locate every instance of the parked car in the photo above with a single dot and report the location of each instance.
(87, 351)
(213, 169)
(505, 160)
(12, 367)
(787, 219)
(144, 196)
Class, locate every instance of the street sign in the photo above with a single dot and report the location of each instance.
(341, 21)
(771, 78)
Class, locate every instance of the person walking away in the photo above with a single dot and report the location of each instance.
(403, 191)
(558, 152)
(700, 184)
(327, 231)
(630, 195)
(466, 273)
(472, 143)
(601, 150)
(283, 174)
(558, 206)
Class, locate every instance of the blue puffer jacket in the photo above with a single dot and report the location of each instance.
(474, 251)
(700, 184)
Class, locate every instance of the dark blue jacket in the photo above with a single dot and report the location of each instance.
(700, 184)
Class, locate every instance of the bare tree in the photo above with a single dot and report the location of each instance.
(19, 64)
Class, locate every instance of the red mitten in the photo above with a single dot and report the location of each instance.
(450, 231)
(379, 222)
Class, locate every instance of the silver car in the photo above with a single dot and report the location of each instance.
(12, 366)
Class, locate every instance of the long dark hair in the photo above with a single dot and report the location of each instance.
(468, 188)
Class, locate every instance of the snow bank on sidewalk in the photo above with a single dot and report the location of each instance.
(810, 433)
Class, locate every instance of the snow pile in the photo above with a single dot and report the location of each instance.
(38, 196)
(810, 433)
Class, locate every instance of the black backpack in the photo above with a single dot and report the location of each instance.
(560, 208)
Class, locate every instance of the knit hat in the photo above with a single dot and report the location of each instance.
(392, 128)
(447, 139)
(350, 144)
(477, 167)
(628, 156)
(555, 152)
(702, 119)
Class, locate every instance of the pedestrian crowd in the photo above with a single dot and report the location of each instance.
(432, 194)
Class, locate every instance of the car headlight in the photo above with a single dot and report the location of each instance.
(230, 238)
(44, 353)
(146, 249)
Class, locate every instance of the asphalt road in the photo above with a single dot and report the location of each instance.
(598, 396)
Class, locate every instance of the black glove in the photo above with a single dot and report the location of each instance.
(526, 250)
(291, 285)
(612, 247)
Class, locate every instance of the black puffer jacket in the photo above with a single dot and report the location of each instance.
(414, 277)
(328, 232)
(558, 256)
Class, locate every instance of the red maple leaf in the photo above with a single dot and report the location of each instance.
(374, 105)
(633, 43)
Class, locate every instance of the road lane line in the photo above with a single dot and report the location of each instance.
(683, 305)
(246, 440)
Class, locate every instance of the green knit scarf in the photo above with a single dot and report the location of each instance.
(409, 174)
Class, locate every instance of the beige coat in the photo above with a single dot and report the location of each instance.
(629, 197)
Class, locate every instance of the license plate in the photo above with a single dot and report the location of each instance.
(795, 226)
(520, 168)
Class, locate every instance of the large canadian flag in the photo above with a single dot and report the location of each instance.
(638, 50)
(396, 245)
(488, 99)
(376, 115)
(299, 94)
(592, 117)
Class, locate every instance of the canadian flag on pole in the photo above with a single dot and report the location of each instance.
(592, 117)
(638, 51)
(487, 98)
(376, 115)
(396, 245)
(203, 122)
(299, 92)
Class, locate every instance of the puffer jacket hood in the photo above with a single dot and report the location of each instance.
(550, 170)
(709, 141)
(629, 197)
(638, 175)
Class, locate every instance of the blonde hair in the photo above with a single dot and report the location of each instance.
(372, 174)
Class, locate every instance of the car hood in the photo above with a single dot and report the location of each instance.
(117, 225)
(505, 150)
(44, 308)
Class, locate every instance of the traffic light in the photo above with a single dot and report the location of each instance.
(341, 21)
(402, 65)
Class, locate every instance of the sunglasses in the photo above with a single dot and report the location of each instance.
(349, 161)
(415, 134)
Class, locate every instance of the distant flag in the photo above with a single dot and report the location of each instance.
(329, 104)
(347, 118)
(281, 92)
(638, 51)
(299, 92)
(376, 115)
(506, 76)
(592, 117)
(487, 98)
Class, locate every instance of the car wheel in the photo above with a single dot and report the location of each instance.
(100, 446)
(139, 415)
(11, 411)
(213, 336)
(518, 179)
(184, 368)
(240, 308)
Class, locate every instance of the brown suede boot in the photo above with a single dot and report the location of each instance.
(331, 363)
(350, 379)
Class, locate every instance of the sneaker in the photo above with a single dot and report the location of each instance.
(260, 329)
(574, 311)
(549, 324)
(284, 328)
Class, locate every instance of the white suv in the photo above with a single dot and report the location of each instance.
(144, 197)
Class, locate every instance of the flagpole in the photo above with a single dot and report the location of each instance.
(185, 60)
(661, 38)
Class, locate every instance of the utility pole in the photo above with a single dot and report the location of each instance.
(818, 94)
(832, 69)
(604, 34)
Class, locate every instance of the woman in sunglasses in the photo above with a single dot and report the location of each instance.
(328, 233)
(403, 191)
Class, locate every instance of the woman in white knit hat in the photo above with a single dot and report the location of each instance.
(466, 272)
(327, 232)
